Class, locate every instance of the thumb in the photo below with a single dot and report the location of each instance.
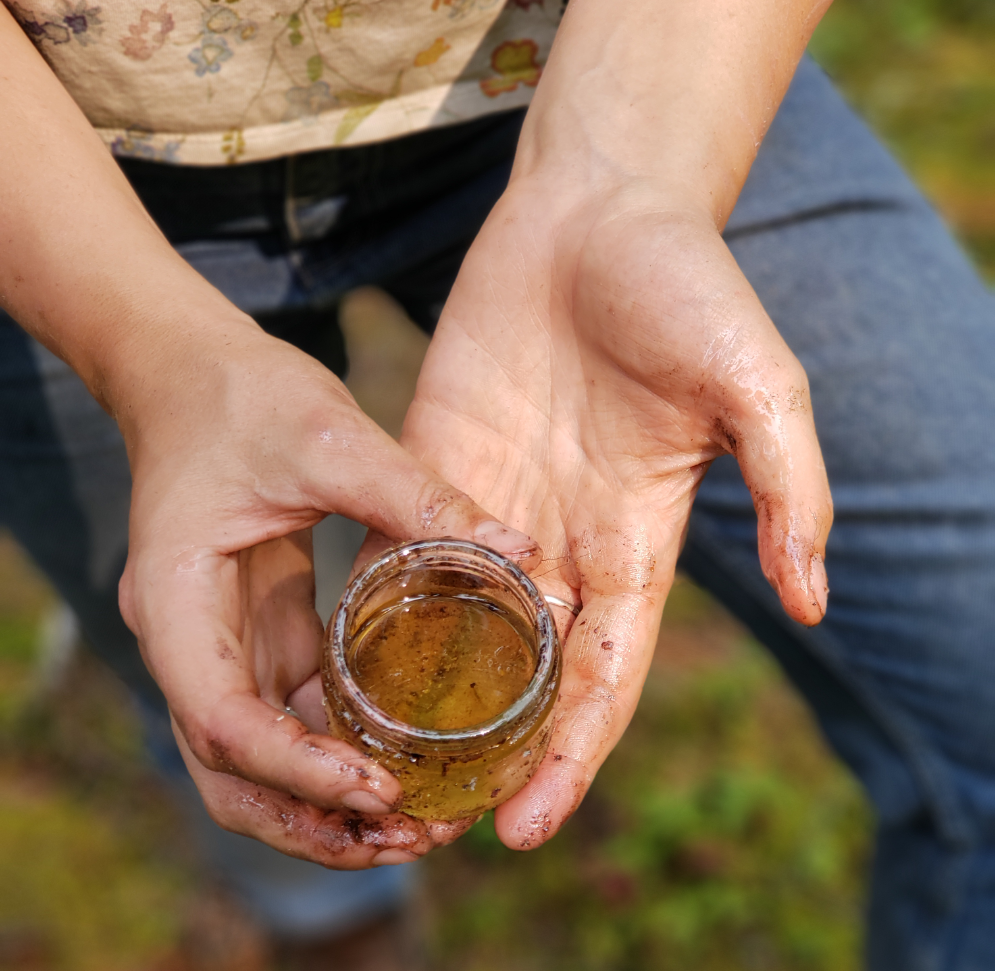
(776, 446)
(371, 479)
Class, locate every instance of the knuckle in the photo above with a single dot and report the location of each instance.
(437, 504)
(792, 374)
(222, 815)
(211, 749)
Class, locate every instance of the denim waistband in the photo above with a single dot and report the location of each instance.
(319, 195)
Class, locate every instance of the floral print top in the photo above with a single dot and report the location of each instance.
(204, 82)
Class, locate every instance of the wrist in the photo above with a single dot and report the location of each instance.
(126, 312)
(673, 92)
(161, 356)
(577, 151)
(573, 205)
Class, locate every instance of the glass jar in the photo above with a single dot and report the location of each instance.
(442, 663)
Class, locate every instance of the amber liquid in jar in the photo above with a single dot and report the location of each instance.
(442, 664)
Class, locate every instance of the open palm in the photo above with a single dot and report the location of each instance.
(589, 365)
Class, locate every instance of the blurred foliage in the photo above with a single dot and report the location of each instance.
(719, 835)
(923, 73)
(77, 891)
(89, 878)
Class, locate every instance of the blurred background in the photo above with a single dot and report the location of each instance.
(720, 835)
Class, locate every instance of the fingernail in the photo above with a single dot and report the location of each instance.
(393, 858)
(819, 582)
(361, 801)
(510, 542)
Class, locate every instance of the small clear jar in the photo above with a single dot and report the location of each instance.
(442, 663)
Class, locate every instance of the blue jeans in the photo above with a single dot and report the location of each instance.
(897, 334)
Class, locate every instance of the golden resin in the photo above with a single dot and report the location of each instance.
(442, 662)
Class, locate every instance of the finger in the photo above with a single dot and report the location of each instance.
(605, 661)
(189, 619)
(772, 434)
(246, 737)
(444, 833)
(308, 701)
(384, 487)
(340, 840)
(283, 634)
(605, 665)
(744, 386)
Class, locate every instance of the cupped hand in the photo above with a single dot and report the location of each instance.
(236, 452)
(595, 355)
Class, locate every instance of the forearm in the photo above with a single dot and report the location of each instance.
(82, 266)
(678, 93)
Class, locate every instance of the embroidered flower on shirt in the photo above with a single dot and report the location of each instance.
(224, 20)
(515, 63)
(459, 8)
(333, 16)
(46, 30)
(78, 23)
(149, 34)
(81, 20)
(219, 19)
(432, 53)
(138, 143)
(308, 102)
(211, 54)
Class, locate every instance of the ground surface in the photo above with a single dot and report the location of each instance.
(720, 835)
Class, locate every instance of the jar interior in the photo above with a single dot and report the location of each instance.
(441, 646)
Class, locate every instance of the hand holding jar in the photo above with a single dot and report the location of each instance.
(442, 664)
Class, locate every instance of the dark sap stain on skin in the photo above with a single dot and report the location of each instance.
(221, 756)
(225, 653)
(337, 832)
(724, 436)
(767, 506)
(342, 831)
(364, 831)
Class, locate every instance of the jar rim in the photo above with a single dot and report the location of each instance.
(547, 642)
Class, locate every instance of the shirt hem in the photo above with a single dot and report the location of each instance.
(337, 128)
